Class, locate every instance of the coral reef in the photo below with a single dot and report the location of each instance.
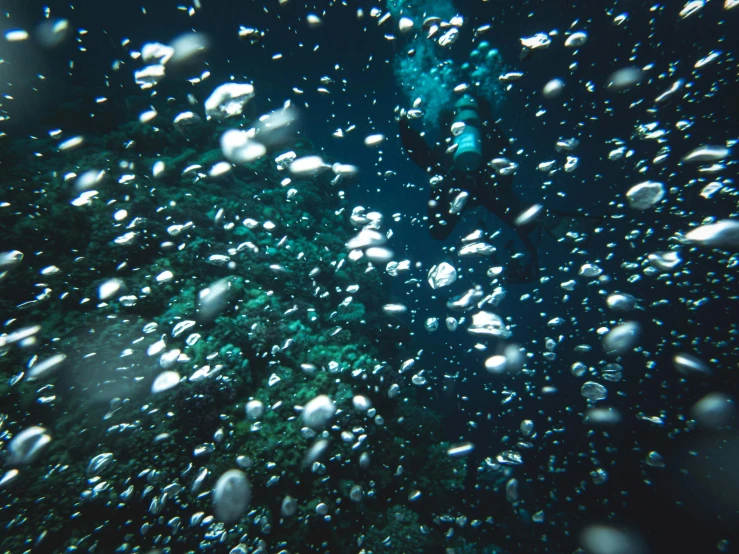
(287, 332)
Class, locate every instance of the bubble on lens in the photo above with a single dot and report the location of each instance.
(231, 496)
(318, 412)
(714, 410)
(622, 338)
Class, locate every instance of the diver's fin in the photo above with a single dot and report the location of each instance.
(556, 226)
(563, 225)
(520, 270)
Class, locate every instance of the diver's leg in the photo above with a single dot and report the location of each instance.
(520, 270)
(507, 206)
(441, 222)
(526, 239)
(417, 148)
(559, 224)
(507, 202)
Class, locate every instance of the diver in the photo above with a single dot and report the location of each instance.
(463, 171)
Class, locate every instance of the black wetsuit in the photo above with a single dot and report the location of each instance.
(486, 187)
